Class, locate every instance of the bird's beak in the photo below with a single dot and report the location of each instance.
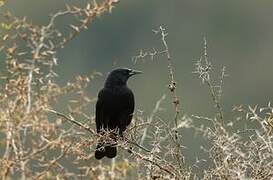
(133, 72)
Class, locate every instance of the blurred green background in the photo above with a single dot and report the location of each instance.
(239, 36)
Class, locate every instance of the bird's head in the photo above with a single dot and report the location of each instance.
(119, 77)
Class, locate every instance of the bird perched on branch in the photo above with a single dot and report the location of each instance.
(114, 109)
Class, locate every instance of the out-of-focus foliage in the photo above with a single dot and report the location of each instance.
(2, 2)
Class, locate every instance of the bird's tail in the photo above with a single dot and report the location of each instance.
(100, 151)
(106, 149)
(110, 151)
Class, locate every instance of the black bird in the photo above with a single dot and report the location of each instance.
(114, 109)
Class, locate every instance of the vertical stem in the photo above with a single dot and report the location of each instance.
(29, 89)
(172, 88)
(214, 96)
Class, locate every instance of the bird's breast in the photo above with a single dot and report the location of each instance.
(116, 99)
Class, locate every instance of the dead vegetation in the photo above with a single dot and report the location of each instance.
(37, 142)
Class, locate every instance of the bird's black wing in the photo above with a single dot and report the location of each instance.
(102, 122)
(101, 116)
(126, 113)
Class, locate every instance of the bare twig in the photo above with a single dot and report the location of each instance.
(150, 119)
(203, 70)
(173, 90)
(72, 120)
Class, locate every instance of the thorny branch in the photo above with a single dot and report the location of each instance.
(172, 87)
(72, 120)
(37, 146)
(29, 87)
(150, 119)
(90, 130)
(204, 70)
(153, 161)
